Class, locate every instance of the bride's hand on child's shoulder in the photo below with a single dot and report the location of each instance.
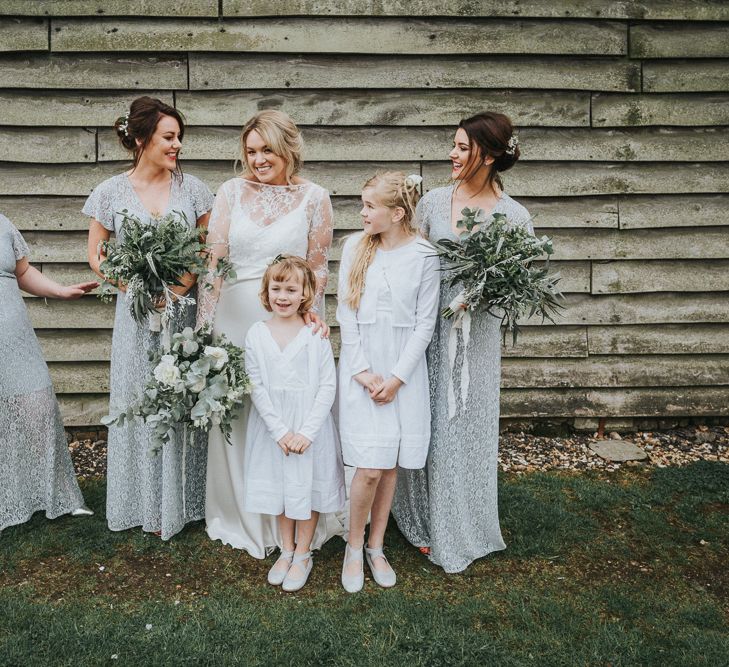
(317, 324)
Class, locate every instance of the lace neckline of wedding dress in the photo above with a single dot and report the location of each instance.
(286, 186)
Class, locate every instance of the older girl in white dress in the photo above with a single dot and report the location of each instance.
(266, 211)
(294, 470)
(387, 309)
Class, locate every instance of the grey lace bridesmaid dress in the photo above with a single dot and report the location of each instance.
(36, 472)
(451, 505)
(159, 493)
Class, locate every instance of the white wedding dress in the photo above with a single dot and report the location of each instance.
(251, 223)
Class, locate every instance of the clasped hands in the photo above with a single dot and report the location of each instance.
(294, 443)
(381, 391)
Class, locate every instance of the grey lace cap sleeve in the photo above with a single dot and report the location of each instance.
(99, 205)
(20, 247)
(200, 194)
(517, 213)
(424, 212)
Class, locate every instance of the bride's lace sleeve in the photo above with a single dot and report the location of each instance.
(218, 230)
(321, 223)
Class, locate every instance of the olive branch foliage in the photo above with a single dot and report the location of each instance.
(495, 263)
(151, 256)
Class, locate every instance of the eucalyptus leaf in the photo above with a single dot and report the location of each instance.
(493, 264)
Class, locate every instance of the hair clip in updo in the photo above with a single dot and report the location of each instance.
(413, 181)
(512, 144)
(124, 127)
(278, 258)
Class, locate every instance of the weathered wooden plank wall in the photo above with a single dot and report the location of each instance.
(623, 110)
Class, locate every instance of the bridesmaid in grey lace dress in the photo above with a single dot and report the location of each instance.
(160, 493)
(450, 508)
(36, 472)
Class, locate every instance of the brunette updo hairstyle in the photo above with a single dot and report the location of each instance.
(489, 133)
(141, 123)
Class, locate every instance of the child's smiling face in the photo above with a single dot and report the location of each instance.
(285, 296)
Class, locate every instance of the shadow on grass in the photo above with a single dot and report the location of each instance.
(621, 570)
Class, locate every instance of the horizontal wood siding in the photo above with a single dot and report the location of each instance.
(623, 117)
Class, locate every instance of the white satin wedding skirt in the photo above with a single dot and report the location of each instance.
(238, 308)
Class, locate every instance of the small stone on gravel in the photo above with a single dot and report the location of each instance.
(618, 451)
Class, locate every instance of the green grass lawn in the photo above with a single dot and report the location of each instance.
(626, 569)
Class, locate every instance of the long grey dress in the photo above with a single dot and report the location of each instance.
(451, 505)
(163, 492)
(36, 472)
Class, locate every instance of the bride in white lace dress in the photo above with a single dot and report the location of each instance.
(267, 211)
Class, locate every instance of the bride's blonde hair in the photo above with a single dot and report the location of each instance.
(392, 189)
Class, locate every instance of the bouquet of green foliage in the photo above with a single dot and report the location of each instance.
(196, 381)
(152, 257)
(495, 264)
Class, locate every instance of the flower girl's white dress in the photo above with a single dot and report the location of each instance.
(293, 391)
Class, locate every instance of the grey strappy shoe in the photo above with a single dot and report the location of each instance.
(352, 582)
(277, 575)
(291, 583)
(385, 578)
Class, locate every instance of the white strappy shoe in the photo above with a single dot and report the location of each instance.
(385, 577)
(352, 582)
(292, 583)
(276, 575)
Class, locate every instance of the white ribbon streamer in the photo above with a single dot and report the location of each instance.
(462, 321)
(184, 471)
(155, 322)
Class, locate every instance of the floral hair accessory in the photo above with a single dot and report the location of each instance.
(512, 144)
(413, 181)
(124, 127)
(278, 258)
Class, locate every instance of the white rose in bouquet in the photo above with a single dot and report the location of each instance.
(166, 372)
(195, 383)
(218, 355)
(189, 347)
(201, 390)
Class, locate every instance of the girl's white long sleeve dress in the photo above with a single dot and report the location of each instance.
(388, 335)
(293, 391)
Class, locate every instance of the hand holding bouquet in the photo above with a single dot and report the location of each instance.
(196, 381)
(151, 258)
(495, 264)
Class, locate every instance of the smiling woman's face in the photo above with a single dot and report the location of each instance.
(461, 155)
(264, 164)
(164, 146)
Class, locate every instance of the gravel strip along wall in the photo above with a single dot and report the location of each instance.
(623, 110)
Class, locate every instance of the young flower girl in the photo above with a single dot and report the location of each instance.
(293, 468)
(387, 309)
